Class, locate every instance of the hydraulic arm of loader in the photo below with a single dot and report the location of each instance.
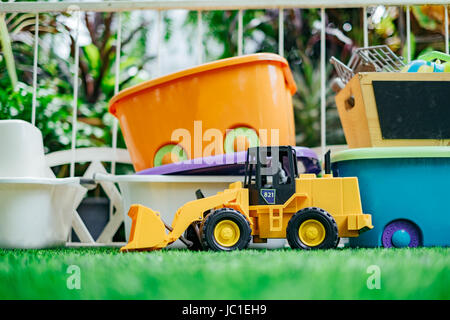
(148, 231)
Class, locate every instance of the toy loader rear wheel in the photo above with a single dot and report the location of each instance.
(312, 228)
(225, 229)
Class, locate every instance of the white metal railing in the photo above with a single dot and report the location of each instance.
(75, 8)
(196, 5)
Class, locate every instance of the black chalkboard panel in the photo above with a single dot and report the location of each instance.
(413, 109)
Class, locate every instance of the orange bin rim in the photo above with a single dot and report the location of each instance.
(223, 63)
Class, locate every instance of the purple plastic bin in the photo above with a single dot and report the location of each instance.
(228, 164)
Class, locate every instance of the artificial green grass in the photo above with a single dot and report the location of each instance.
(251, 274)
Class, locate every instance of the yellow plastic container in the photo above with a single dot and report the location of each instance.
(391, 109)
(238, 96)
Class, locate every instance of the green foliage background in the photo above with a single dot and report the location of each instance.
(97, 58)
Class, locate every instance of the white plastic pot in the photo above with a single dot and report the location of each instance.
(165, 194)
(37, 212)
(36, 209)
(21, 150)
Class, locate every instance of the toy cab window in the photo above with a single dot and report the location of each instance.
(250, 170)
(267, 172)
(266, 168)
(284, 171)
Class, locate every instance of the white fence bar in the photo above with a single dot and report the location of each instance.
(323, 133)
(118, 52)
(240, 32)
(195, 5)
(158, 43)
(281, 32)
(408, 33)
(75, 92)
(446, 29)
(116, 90)
(365, 28)
(199, 37)
(116, 85)
(35, 62)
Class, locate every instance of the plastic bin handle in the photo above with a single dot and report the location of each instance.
(433, 55)
(289, 79)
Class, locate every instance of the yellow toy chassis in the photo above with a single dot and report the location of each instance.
(319, 211)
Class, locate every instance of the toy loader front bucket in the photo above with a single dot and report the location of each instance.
(148, 231)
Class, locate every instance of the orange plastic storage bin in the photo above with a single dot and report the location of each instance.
(238, 96)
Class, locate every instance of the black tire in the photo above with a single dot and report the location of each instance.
(209, 241)
(191, 235)
(331, 238)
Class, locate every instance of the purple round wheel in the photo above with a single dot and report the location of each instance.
(400, 234)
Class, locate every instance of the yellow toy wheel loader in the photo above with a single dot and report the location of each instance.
(274, 202)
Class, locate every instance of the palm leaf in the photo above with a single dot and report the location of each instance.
(7, 51)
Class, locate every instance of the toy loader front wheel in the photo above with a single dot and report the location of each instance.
(225, 229)
(312, 228)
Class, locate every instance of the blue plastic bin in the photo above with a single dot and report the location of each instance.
(407, 191)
